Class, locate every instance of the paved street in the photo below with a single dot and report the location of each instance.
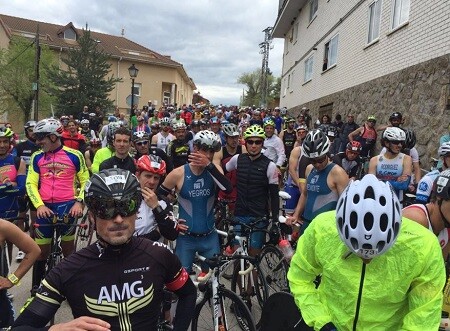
(22, 292)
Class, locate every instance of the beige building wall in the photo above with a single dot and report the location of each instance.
(153, 81)
(423, 37)
(4, 40)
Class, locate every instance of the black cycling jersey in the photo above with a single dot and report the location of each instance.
(123, 287)
(127, 163)
(25, 150)
(350, 167)
(289, 139)
(178, 152)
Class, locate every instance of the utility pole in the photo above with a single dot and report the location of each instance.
(264, 50)
(36, 83)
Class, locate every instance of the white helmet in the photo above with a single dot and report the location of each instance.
(444, 149)
(230, 129)
(207, 139)
(393, 133)
(164, 120)
(85, 121)
(316, 144)
(140, 136)
(178, 126)
(368, 217)
(49, 126)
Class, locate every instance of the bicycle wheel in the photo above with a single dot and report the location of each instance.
(83, 234)
(275, 268)
(254, 298)
(280, 313)
(234, 313)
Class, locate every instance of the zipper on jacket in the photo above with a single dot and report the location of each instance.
(358, 302)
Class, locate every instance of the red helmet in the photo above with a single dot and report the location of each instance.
(354, 146)
(151, 163)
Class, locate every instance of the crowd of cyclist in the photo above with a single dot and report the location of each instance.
(194, 156)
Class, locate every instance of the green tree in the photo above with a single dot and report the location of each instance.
(17, 74)
(252, 82)
(85, 80)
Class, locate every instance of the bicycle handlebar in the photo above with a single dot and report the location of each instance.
(83, 226)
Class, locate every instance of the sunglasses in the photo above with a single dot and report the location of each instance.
(396, 142)
(319, 160)
(40, 135)
(142, 143)
(254, 142)
(109, 208)
(215, 147)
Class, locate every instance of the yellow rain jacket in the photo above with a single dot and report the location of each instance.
(400, 290)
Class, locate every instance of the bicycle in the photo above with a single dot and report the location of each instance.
(273, 262)
(254, 292)
(220, 309)
(363, 167)
(56, 254)
(84, 233)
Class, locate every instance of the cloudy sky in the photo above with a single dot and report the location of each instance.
(215, 40)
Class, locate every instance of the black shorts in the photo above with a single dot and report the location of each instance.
(25, 204)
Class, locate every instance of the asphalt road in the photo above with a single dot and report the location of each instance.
(22, 293)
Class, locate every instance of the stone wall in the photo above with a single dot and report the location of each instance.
(421, 93)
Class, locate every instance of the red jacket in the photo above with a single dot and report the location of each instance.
(77, 141)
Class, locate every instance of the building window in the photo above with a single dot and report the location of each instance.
(374, 21)
(70, 34)
(313, 5)
(400, 12)
(137, 89)
(330, 57)
(309, 63)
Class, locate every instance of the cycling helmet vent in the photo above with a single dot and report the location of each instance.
(254, 131)
(368, 217)
(444, 149)
(394, 134)
(316, 144)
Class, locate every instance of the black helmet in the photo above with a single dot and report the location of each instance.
(395, 116)
(330, 130)
(410, 141)
(316, 144)
(111, 191)
(441, 185)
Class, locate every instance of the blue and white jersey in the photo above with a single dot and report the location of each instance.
(196, 201)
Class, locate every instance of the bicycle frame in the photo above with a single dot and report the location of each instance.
(212, 280)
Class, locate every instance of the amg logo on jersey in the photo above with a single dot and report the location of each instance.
(113, 294)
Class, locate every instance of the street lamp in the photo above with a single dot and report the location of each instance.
(133, 71)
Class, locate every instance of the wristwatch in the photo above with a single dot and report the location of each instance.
(13, 279)
(79, 200)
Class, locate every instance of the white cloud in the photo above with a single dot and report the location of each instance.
(216, 41)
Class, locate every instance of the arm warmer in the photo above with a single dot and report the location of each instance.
(18, 190)
(163, 191)
(221, 181)
(164, 218)
(35, 316)
(186, 306)
(400, 185)
(274, 201)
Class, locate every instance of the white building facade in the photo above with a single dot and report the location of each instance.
(338, 53)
